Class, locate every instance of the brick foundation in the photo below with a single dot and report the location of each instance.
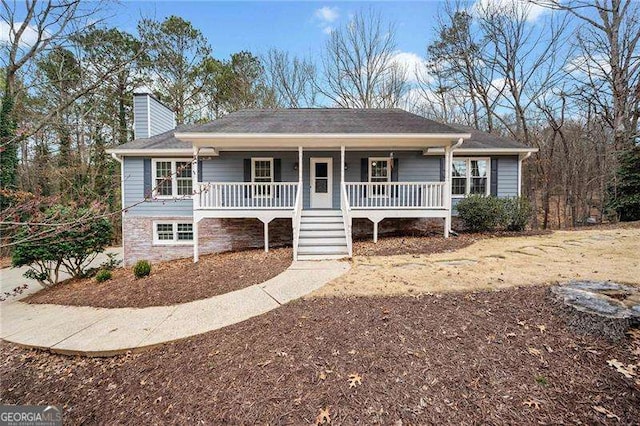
(363, 228)
(215, 236)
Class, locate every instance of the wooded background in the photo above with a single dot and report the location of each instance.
(568, 85)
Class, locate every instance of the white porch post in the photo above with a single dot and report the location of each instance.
(300, 166)
(196, 241)
(341, 167)
(195, 190)
(266, 236)
(375, 231)
(448, 160)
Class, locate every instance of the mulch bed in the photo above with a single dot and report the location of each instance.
(171, 282)
(427, 243)
(494, 358)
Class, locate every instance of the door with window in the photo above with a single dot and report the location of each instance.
(321, 183)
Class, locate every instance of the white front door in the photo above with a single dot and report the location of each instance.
(321, 183)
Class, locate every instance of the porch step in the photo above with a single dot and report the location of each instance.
(321, 219)
(313, 226)
(321, 256)
(324, 249)
(322, 235)
(327, 212)
(321, 241)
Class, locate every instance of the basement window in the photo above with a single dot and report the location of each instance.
(172, 233)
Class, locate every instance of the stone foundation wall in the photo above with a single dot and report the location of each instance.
(215, 236)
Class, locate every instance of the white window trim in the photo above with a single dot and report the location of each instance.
(468, 175)
(255, 193)
(389, 172)
(174, 178)
(174, 242)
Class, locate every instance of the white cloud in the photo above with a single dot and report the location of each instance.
(325, 17)
(531, 10)
(412, 63)
(327, 14)
(327, 30)
(28, 38)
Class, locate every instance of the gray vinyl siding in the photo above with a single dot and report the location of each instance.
(162, 119)
(140, 116)
(229, 167)
(507, 179)
(150, 117)
(134, 194)
(508, 176)
(412, 165)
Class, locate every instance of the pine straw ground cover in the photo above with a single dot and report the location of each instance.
(171, 282)
(503, 357)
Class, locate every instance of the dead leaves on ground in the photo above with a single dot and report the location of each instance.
(628, 371)
(532, 403)
(600, 409)
(323, 416)
(354, 380)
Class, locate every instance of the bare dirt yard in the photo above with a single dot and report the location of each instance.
(498, 357)
(171, 282)
(494, 263)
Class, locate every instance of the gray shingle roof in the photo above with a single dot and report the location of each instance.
(322, 120)
(484, 140)
(164, 140)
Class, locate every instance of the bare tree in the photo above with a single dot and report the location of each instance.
(460, 56)
(358, 66)
(290, 79)
(608, 68)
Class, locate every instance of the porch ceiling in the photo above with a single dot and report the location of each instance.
(239, 142)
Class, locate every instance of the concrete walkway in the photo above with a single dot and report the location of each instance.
(103, 332)
(11, 278)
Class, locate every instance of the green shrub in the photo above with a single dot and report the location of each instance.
(480, 213)
(141, 269)
(103, 275)
(517, 213)
(70, 241)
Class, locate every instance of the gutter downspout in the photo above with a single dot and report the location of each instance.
(448, 166)
(521, 158)
(121, 161)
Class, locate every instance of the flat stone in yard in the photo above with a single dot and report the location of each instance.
(600, 307)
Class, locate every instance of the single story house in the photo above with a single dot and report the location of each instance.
(312, 178)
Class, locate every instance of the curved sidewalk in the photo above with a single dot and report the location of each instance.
(102, 332)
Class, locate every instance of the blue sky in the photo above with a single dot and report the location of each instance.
(298, 27)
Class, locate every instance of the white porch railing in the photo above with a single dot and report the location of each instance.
(395, 195)
(247, 195)
(295, 223)
(346, 217)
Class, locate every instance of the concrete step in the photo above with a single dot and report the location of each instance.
(321, 213)
(322, 241)
(318, 226)
(324, 249)
(321, 256)
(320, 233)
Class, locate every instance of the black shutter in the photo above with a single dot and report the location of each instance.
(247, 176)
(394, 175)
(148, 188)
(442, 168)
(494, 177)
(277, 173)
(199, 170)
(364, 174)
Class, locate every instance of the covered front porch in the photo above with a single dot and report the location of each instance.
(356, 179)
